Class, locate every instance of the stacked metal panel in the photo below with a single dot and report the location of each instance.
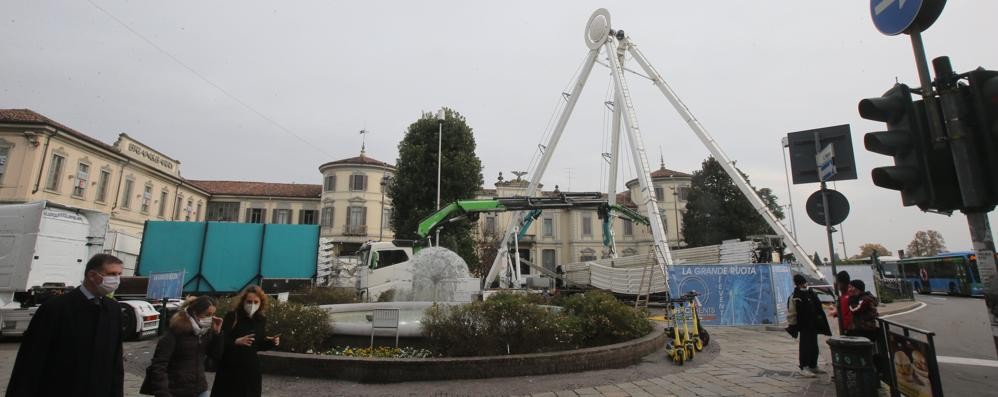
(625, 280)
(734, 251)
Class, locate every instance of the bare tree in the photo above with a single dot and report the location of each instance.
(926, 243)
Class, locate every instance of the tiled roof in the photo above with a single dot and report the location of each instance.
(667, 173)
(28, 116)
(359, 160)
(260, 189)
(624, 200)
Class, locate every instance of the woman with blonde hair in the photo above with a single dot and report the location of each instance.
(177, 367)
(244, 331)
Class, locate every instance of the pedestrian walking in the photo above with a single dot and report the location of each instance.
(244, 331)
(178, 365)
(72, 346)
(806, 320)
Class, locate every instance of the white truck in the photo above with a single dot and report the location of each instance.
(388, 266)
(43, 250)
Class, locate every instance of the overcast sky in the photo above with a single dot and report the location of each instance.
(268, 91)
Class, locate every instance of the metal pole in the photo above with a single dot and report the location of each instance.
(925, 80)
(790, 198)
(440, 141)
(828, 233)
(965, 158)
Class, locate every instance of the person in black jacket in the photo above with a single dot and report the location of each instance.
(806, 317)
(72, 346)
(177, 368)
(244, 331)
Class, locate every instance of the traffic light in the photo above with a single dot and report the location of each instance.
(984, 100)
(924, 174)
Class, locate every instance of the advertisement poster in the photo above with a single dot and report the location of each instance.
(165, 285)
(730, 294)
(909, 358)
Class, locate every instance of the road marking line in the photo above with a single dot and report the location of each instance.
(967, 361)
(920, 306)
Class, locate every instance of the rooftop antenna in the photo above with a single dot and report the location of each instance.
(363, 141)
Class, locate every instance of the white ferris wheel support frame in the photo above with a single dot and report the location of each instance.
(599, 35)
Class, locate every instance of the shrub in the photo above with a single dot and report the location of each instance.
(323, 296)
(503, 324)
(387, 296)
(597, 318)
(302, 328)
(223, 305)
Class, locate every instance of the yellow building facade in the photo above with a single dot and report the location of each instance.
(354, 207)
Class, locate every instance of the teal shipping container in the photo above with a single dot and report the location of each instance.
(223, 257)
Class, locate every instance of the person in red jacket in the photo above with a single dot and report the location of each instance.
(842, 309)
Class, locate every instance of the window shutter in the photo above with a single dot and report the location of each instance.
(364, 188)
(263, 215)
(274, 216)
(363, 214)
(349, 215)
(249, 215)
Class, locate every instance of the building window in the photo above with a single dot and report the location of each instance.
(386, 218)
(82, 178)
(126, 194)
(684, 192)
(587, 225)
(330, 184)
(256, 215)
(628, 228)
(307, 217)
(356, 221)
(659, 194)
(327, 217)
(587, 254)
(490, 225)
(102, 182)
(4, 155)
(146, 198)
(358, 183)
(282, 216)
(548, 227)
(547, 259)
(55, 170)
(197, 212)
(162, 203)
(178, 205)
(188, 209)
(223, 211)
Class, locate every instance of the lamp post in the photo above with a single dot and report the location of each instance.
(385, 180)
(441, 115)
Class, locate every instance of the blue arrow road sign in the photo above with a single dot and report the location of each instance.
(892, 17)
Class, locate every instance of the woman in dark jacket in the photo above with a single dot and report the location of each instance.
(244, 333)
(177, 368)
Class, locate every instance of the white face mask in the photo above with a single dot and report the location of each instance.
(205, 323)
(108, 284)
(251, 308)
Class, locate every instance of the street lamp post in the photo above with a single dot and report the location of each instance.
(441, 115)
(385, 179)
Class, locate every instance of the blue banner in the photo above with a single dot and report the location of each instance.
(734, 294)
(165, 285)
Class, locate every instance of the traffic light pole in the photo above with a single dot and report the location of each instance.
(966, 160)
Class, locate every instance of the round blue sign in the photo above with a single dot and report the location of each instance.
(893, 17)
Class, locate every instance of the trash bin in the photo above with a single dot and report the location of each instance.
(852, 361)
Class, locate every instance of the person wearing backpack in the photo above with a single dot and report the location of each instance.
(806, 319)
(863, 306)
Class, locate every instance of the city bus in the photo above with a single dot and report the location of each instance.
(954, 273)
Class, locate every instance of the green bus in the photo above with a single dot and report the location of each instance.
(954, 273)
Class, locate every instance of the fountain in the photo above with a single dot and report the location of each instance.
(438, 276)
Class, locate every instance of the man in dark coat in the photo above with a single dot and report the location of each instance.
(806, 318)
(72, 346)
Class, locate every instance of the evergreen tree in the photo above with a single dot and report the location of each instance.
(716, 210)
(413, 190)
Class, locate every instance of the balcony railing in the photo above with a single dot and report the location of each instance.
(355, 230)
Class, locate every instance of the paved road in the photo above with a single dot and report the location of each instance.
(962, 331)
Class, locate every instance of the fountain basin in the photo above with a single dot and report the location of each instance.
(354, 318)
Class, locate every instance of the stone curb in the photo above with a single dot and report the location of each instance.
(382, 370)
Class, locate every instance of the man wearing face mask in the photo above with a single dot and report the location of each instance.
(72, 346)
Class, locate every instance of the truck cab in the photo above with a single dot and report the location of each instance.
(385, 266)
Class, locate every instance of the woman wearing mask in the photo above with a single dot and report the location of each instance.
(244, 333)
(177, 367)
